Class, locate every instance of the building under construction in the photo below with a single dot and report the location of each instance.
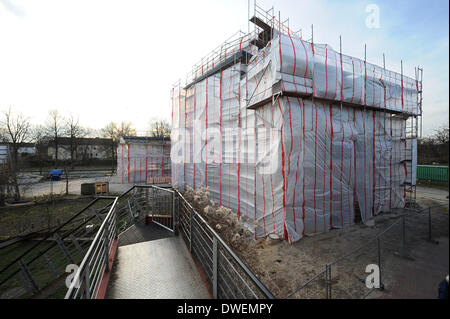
(143, 160)
(295, 135)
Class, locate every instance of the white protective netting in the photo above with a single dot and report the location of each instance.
(143, 162)
(317, 161)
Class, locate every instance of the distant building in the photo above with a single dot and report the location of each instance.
(143, 159)
(25, 149)
(84, 148)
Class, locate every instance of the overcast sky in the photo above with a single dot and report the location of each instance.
(116, 60)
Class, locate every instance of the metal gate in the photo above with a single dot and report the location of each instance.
(163, 207)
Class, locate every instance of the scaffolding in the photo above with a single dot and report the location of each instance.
(366, 121)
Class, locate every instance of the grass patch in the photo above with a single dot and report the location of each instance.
(15, 221)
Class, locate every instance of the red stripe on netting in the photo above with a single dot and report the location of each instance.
(331, 164)
(296, 179)
(374, 182)
(336, 73)
(315, 168)
(365, 81)
(151, 166)
(185, 134)
(263, 184)
(281, 58)
(220, 130)
(291, 137)
(402, 90)
(246, 145)
(271, 170)
(263, 171)
(128, 149)
(229, 120)
(386, 150)
(240, 43)
(306, 69)
(350, 169)
(122, 162)
(342, 169)
(254, 179)
(303, 166)
(146, 169)
(193, 134)
(295, 62)
(365, 163)
(353, 86)
(206, 137)
(361, 91)
(326, 70)
(313, 77)
(342, 79)
(373, 87)
(354, 164)
(283, 169)
(239, 151)
(390, 167)
(162, 166)
(324, 168)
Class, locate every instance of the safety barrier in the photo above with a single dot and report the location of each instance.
(88, 279)
(346, 268)
(432, 173)
(226, 274)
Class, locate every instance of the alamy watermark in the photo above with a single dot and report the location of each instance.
(228, 146)
(373, 17)
(373, 279)
(71, 278)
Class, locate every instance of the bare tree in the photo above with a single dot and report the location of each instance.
(159, 128)
(114, 131)
(40, 138)
(434, 148)
(74, 131)
(17, 131)
(54, 128)
(126, 129)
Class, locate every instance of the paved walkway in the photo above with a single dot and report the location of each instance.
(156, 269)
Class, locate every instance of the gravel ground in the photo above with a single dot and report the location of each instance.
(283, 267)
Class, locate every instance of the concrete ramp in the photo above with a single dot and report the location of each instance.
(157, 269)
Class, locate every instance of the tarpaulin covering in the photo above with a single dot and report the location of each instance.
(143, 161)
(300, 139)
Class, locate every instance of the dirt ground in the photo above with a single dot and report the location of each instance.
(283, 267)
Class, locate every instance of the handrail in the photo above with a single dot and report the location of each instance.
(50, 235)
(99, 245)
(247, 271)
(88, 254)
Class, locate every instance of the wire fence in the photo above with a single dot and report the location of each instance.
(348, 275)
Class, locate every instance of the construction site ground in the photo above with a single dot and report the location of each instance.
(410, 271)
(413, 270)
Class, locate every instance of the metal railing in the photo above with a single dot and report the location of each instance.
(226, 274)
(43, 263)
(88, 278)
(347, 266)
(136, 203)
(40, 270)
